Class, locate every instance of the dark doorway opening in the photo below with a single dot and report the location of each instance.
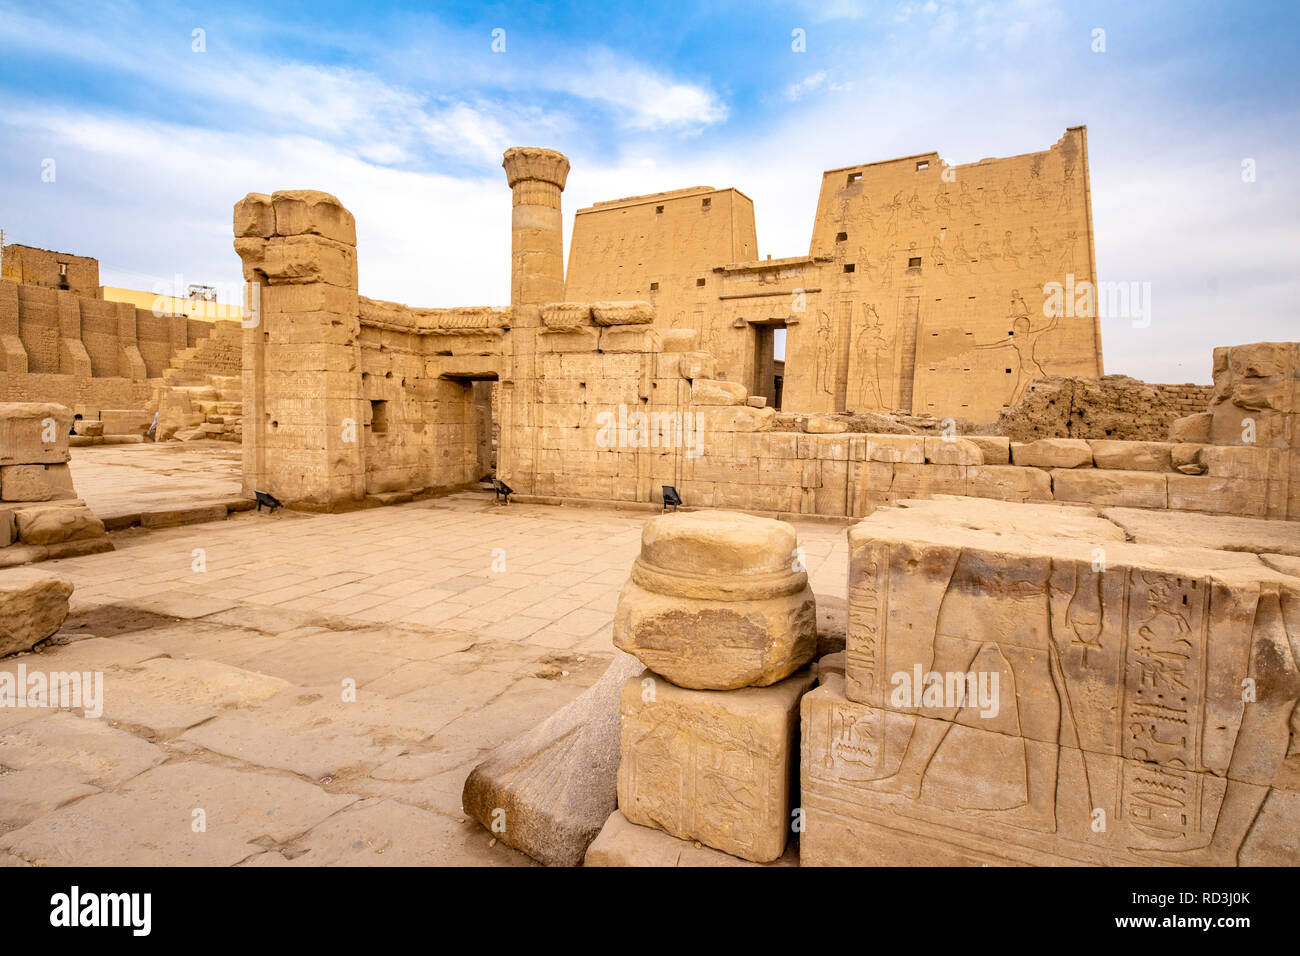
(769, 362)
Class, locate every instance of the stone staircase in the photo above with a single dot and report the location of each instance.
(202, 394)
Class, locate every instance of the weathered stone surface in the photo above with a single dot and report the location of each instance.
(821, 425)
(35, 483)
(548, 792)
(714, 601)
(1221, 532)
(1009, 483)
(254, 217)
(952, 451)
(1132, 455)
(308, 211)
(622, 313)
(1052, 453)
(1007, 676)
(713, 766)
(1192, 428)
(33, 605)
(54, 524)
(621, 843)
(1097, 486)
(34, 433)
(995, 449)
(705, 391)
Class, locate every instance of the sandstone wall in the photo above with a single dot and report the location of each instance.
(41, 267)
(923, 289)
(1113, 406)
(85, 352)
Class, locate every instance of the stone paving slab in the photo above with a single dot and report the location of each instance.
(224, 688)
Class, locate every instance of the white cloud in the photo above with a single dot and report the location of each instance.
(809, 83)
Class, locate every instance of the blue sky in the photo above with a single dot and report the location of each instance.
(403, 112)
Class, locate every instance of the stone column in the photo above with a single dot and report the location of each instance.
(536, 178)
(303, 412)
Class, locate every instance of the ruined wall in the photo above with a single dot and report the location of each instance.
(82, 351)
(53, 270)
(1113, 406)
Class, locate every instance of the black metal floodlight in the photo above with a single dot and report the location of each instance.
(503, 490)
(268, 499)
(671, 498)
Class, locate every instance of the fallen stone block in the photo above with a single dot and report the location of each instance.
(548, 792)
(181, 515)
(713, 766)
(54, 524)
(995, 448)
(952, 451)
(1192, 428)
(706, 391)
(33, 605)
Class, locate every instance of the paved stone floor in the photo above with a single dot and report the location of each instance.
(296, 689)
(120, 478)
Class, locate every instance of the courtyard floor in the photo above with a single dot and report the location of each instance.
(308, 689)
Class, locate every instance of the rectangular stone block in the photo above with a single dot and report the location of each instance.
(35, 482)
(1011, 670)
(712, 766)
(1233, 496)
(1008, 483)
(1132, 455)
(1105, 488)
(907, 449)
(34, 433)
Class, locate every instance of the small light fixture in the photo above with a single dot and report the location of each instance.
(671, 498)
(503, 491)
(268, 499)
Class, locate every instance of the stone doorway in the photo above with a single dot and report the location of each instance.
(768, 376)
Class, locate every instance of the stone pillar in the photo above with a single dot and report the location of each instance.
(536, 178)
(130, 361)
(303, 407)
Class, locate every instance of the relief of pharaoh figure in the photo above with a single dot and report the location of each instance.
(1024, 342)
(873, 352)
(824, 352)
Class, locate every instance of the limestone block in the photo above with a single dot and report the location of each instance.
(1052, 453)
(706, 391)
(1241, 461)
(1001, 686)
(1186, 457)
(1233, 496)
(952, 451)
(299, 259)
(1008, 483)
(34, 433)
(1192, 428)
(1262, 359)
(714, 601)
(679, 340)
(830, 665)
(566, 316)
(716, 421)
(33, 605)
(996, 449)
(922, 481)
(56, 523)
(1106, 488)
(713, 766)
(556, 783)
(1133, 455)
(307, 211)
(35, 482)
(622, 313)
(8, 527)
(1221, 532)
(638, 338)
(621, 843)
(254, 217)
(693, 365)
(909, 449)
(577, 340)
(756, 401)
(820, 425)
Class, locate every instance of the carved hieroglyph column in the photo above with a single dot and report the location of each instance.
(536, 178)
(302, 372)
